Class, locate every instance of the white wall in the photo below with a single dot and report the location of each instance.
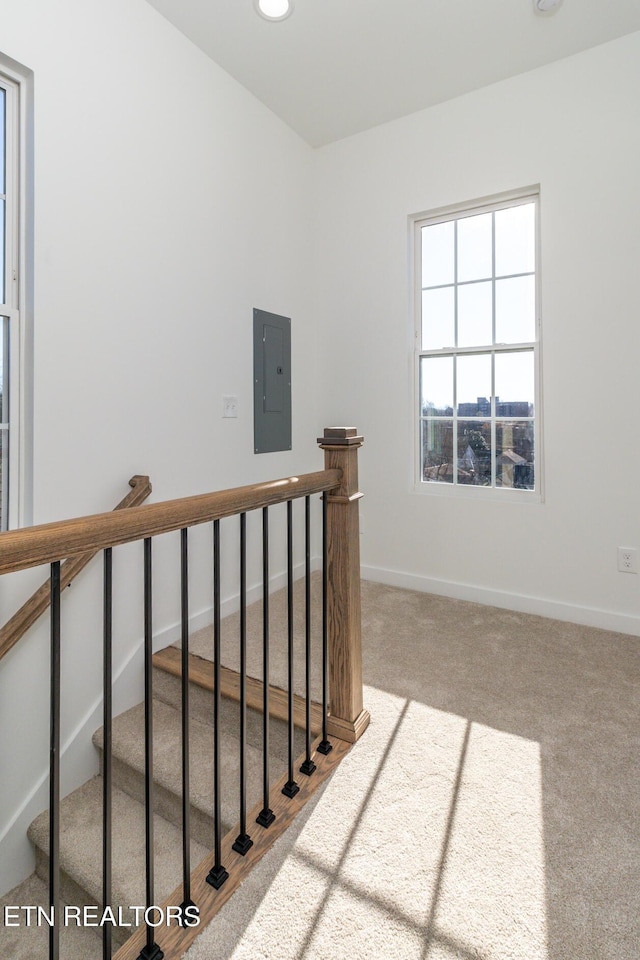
(574, 128)
(168, 203)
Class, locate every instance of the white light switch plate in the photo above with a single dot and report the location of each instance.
(229, 406)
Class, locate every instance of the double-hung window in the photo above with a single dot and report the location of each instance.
(477, 347)
(10, 334)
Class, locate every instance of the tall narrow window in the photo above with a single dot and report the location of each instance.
(477, 336)
(9, 298)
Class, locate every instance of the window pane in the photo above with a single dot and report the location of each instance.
(4, 369)
(475, 320)
(474, 452)
(436, 386)
(4, 416)
(514, 455)
(514, 384)
(516, 310)
(474, 385)
(516, 240)
(437, 451)
(437, 318)
(474, 248)
(4, 477)
(437, 254)
(3, 99)
(2, 229)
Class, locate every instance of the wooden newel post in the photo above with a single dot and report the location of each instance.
(348, 720)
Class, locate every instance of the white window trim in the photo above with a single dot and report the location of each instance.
(17, 82)
(467, 491)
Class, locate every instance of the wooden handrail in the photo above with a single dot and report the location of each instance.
(35, 606)
(46, 543)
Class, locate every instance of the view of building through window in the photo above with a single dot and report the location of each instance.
(477, 341)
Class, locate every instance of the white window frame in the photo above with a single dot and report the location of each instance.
(454, 489)
(16, 85)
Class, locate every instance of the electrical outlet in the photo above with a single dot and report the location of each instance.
(627, 560)
(229, 406)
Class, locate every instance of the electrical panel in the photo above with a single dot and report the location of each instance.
(271, 382)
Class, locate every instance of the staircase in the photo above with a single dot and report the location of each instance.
(198, 795)
(81, 811)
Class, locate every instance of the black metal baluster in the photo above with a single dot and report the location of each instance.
(54, 767)
(291, 787)
(186, 801)
(151, 950)
(107, 715)
(217, 875)
(266, 816)
(308, 766)
(243, 841)
(324, 747)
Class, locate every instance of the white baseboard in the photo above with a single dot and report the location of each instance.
(522, 603)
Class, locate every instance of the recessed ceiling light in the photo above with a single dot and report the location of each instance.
(274, 9)
(546, 6)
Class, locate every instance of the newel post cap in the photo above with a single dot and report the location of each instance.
(340, 437)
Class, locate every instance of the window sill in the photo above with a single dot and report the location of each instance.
(483, 494)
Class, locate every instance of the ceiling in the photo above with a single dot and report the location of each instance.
(336, 67)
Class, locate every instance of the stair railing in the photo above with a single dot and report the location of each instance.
(24, 618)
(343, 716)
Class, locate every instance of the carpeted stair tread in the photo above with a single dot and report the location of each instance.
(168, 689)
(128, 766)
(201, 642)
(32, 941)
(81, 849)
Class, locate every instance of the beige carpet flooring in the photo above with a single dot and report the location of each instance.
(490, 812)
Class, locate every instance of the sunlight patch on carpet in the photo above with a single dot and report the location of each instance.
(427, 843)
(493, 883)
(292, 904)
